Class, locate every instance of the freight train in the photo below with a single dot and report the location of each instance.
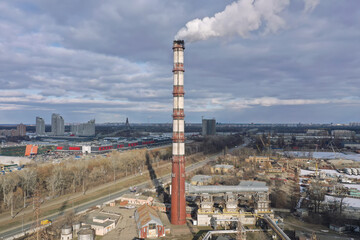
(145, 142)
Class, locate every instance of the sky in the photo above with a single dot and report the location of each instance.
(263, 61)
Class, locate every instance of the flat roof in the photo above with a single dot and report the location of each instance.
(223, 166)
(201, 178)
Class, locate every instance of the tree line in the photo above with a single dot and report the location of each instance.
(53, 180)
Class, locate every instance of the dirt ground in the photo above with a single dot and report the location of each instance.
(343, 163)
(322, 232)
(126, 227)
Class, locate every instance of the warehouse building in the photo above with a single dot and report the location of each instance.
(148, 222)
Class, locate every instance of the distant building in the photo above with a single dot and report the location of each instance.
(352, 145)
(84, 129)
(31, 150)
(317, 132)
(258, 159)
(208, 127)
(57, 125)
(40, 126)
(21, 130)
(127, 124)
(343, 133)
(6, 133)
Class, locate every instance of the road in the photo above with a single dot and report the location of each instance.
(18, 230)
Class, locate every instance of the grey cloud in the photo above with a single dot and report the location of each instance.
(113, 58)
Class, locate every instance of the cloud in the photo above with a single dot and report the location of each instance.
(310, 5)
(114, 58)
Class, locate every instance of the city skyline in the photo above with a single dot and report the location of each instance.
(111, 60)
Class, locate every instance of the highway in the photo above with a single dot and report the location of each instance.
(18, 230)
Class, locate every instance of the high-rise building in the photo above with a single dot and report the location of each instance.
(84, 129)
(57, 125)
(21, 130)
(178, 203)
(208, 127)
(40, 126)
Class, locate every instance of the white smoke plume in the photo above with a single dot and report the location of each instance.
(240, 18)
(310, 5)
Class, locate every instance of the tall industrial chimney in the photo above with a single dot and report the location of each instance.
(178, 203)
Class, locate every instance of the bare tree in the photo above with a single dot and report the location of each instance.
(316, 195)
(57, 181)
(27, 181)
(9, 184)
(341, 193)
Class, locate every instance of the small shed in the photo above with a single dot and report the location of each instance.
(221, 168)
(337, 228)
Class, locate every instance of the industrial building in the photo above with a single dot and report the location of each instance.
(178, 203)
(40, 126)
(221, 204)
(148, 222)
(83, 129)
(317, 132)
(208, 127)
(57, 125)
(345, 134)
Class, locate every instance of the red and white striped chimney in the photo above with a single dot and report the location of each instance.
(178, 203)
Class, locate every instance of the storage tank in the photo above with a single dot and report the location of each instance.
(66, 232)
(86, 226)
(353, 170)
(86, 234)
(348, 171)
(76, 227)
